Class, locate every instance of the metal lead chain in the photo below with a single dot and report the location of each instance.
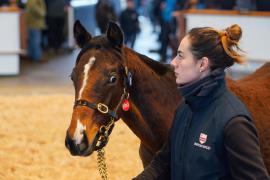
(102, 167)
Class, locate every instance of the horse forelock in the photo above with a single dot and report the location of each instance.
(99, 43)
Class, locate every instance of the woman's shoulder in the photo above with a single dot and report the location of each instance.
(231, 106)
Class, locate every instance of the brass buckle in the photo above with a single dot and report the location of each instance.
(102, 108)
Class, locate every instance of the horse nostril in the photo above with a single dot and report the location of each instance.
(82, 147)
(78, 149)
(68, 142)
(70, 145)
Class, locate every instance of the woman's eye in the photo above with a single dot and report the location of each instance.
(113, 79)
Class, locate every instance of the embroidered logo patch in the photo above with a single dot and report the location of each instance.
(203, 138)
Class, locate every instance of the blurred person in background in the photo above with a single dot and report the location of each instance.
(130, 23)
(35, 21)
(4, 2)
(210, 4)
(55, 22)
(104, 12)
(116, 6)
(245, 5)
(168, 27)
(162, 10)
(227, 4)
(155, 14)
(263, 5)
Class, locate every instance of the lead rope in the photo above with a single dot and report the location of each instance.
(101, 161)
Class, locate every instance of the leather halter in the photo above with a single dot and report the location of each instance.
(102, 136)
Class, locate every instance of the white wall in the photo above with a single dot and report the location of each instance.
(256, 31)
(9, 43)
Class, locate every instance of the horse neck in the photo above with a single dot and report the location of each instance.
(154, 98)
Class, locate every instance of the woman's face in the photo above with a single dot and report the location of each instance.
(186, 68)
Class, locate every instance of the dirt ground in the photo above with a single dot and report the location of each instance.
(32, 133)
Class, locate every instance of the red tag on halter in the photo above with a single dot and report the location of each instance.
(125, 105)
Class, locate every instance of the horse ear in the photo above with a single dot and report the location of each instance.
(80, 34)
(115, 34)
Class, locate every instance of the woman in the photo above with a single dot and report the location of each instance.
(212, 136)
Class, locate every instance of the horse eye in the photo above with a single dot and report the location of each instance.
(112, 79)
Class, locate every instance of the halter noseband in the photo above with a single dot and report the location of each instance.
(100, 107)
(102, 136)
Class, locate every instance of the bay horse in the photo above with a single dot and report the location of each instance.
(107, 74)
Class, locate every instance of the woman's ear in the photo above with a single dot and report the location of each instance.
(204, 64)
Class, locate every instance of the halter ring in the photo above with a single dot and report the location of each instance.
(102, 108)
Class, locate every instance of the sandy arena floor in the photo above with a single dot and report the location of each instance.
(32, 133)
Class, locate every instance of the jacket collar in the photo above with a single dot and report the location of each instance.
(204, 91)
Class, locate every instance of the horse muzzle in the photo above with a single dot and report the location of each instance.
(82, 149)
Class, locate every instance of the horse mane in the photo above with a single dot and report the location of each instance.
(159, 68)
(156, 66)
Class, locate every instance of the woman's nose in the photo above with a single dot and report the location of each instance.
(172, 63)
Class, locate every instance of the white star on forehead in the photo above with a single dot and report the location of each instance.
(87, 67)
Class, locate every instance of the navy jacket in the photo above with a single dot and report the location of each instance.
(197, 147)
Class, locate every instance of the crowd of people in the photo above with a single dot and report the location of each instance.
(162, 9)
(46, 20)
(159, 12)
(128, 18)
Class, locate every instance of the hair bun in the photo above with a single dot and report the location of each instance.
(234, 32)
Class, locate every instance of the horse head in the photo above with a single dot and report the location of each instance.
(100, 80)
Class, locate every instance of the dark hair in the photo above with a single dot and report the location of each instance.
(219, 46)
